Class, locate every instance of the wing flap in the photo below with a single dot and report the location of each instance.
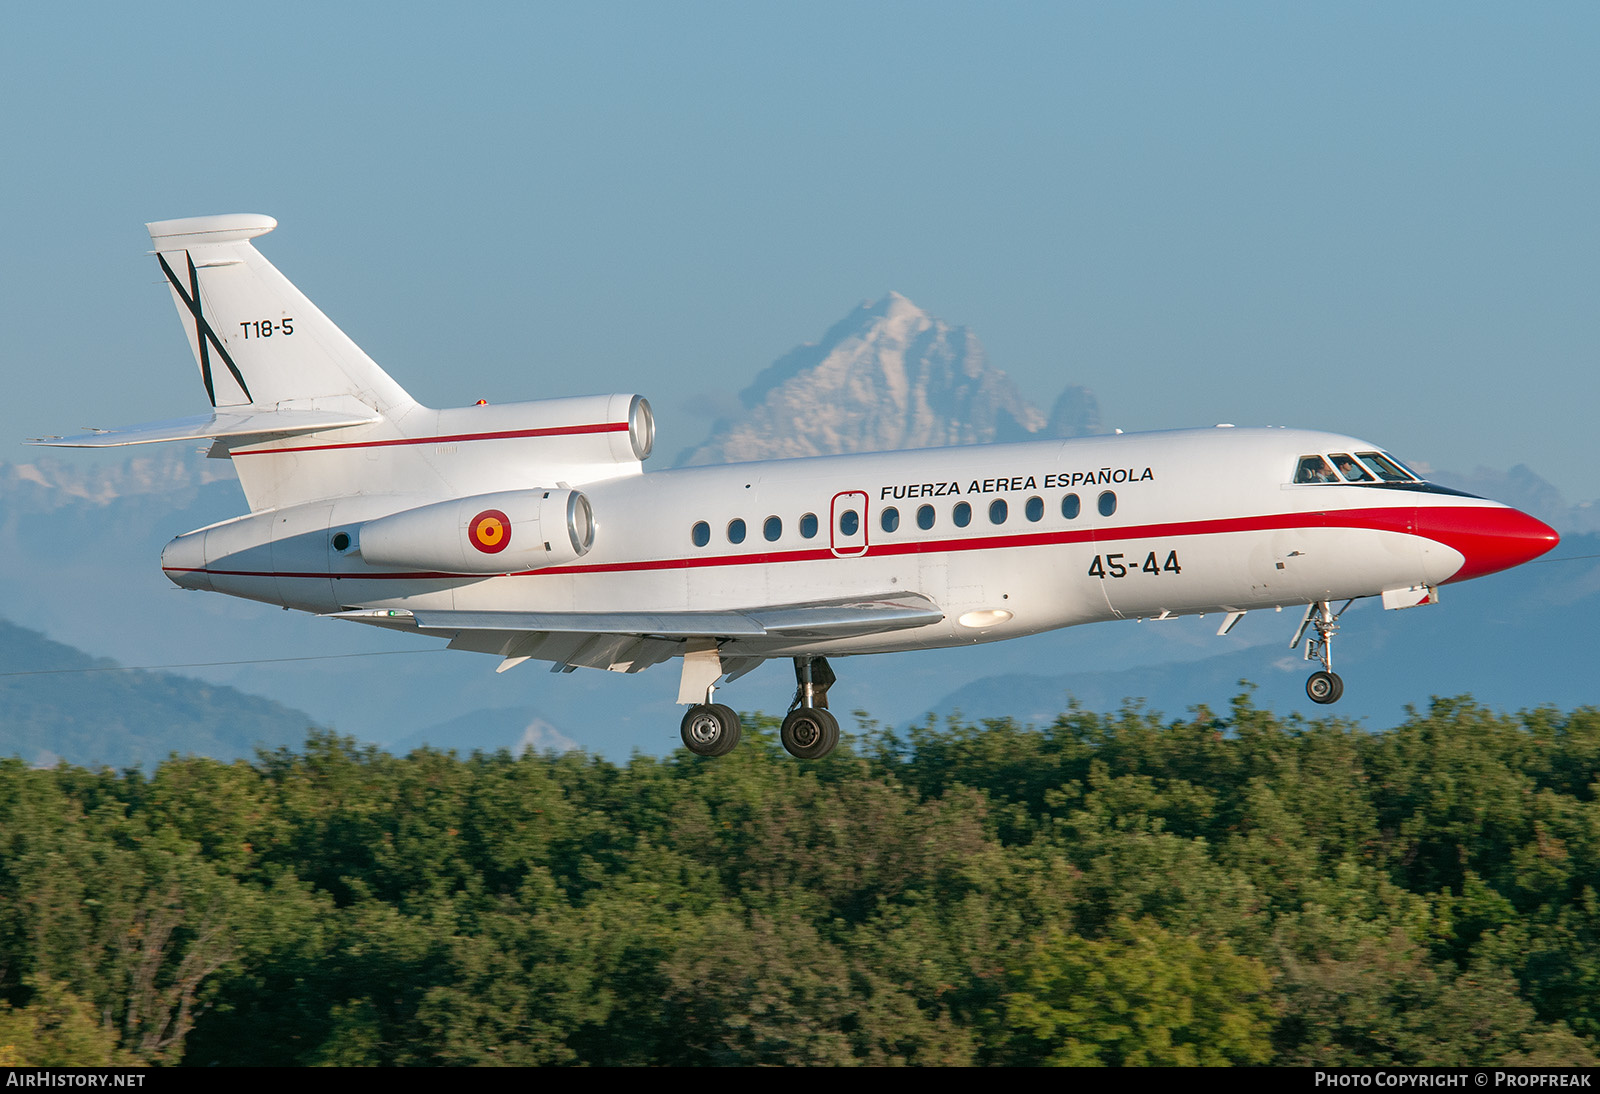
(839, 620)
(644, 624)
(824, 619)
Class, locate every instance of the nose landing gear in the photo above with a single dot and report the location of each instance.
(1325, 686)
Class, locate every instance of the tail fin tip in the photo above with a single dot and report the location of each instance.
(168, 235)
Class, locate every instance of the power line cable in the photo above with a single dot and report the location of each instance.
(215, 664)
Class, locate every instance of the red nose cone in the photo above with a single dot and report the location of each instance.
(1491, 538)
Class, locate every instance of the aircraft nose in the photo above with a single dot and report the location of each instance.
(1490, 538)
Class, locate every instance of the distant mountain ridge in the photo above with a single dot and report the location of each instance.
(887, 376)
(59, 703)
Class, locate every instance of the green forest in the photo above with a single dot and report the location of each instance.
(1222, 888)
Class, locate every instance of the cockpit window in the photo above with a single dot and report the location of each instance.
(1349, 468)
(1387, 469)
(1402, 466)
(1365, 467)
(1314, 469)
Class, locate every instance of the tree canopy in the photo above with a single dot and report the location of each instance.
(1114, 889)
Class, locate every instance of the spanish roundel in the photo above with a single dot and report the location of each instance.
(490, 531)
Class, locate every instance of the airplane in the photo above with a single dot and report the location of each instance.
(530, 531)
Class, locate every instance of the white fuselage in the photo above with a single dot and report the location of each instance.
(1164, 523)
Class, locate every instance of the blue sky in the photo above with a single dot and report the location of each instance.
(1379, 219)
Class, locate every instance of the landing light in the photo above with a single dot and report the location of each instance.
(985, 617)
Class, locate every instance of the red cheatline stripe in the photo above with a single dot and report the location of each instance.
(503, 435)
(1401, 519)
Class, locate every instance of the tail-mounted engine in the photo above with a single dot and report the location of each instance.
(485, 534)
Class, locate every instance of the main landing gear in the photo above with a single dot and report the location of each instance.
(1324, 686)
(810, 731)
(710, 729)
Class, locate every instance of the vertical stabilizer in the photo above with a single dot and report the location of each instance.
(264, 349)
(259, 342)
(309, 419)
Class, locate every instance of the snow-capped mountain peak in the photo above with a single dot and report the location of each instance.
(887, 376)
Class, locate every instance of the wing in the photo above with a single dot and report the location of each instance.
(630, 641)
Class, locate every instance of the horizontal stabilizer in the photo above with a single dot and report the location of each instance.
(831, 619)
(222, 423)
(168, 235)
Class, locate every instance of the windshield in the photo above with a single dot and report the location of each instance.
(1363, 467)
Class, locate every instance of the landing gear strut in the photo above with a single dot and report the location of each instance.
(1324, 686)
(810, 731)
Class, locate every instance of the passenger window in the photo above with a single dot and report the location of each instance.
(1034, 509)
(1349, 468)
(1108, 503)
(736, 530)
(1387, 469)
(925, 517)
(849, 522)
(889, 519)
(808, 526)
(772, 529)
(961, 514)
(701, 534)
(998, 510)
(1071, 507)
(1314, 469)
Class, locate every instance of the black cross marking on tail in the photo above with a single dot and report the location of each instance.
(203, 330)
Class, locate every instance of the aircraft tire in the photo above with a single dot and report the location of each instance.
(809, 733)
(736, 731)
(1324, 687)
(710, 729)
